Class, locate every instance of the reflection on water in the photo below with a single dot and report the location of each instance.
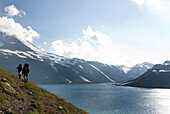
(162, 100)
(109, 99)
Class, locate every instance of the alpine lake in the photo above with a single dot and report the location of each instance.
(110, 99)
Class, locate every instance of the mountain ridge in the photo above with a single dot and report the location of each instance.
(48, 68)
(157, 77)
(136, 70)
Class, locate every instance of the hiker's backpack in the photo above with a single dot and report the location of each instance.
(26, 68)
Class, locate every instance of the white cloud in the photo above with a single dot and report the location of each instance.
(156, 4)
(11, 28)
(96, 46)
(13, 11)
(139, 2)
(90, 47)
(161, 8)
(45, 43)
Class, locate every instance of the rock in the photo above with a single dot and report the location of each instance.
(30, 93)
(60, 108)
(3, 80)
(8, 88)
(21, 108)
(21, 99)
(8, 111)
(1, 112)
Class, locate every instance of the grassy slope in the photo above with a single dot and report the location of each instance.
(31, 99)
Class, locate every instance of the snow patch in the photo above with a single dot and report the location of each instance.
(13, 52)
(71, 61)
(154, 71)
(126, 69)
(84, 79)
(148, 67)
(164, 70)
(52, 65)
(12, 42)
(36, 55)
(81, 67)
(69, 81)
(102, 73)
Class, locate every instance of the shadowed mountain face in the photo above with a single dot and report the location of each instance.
(50, 68)
(157, 77)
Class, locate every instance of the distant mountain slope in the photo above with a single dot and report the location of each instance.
(18, 97)
(51, 68)
(136, 70)
(139, 69)
(157, 77)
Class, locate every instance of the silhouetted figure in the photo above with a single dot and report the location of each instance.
(19, 70)
(26, 71)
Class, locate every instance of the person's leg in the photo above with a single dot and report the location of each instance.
(27, 77)
(19, 74)
(24, 76)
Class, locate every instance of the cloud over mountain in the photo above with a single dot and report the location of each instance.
(11, 28)
(96, 46)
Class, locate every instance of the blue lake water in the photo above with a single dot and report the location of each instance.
(111, 99)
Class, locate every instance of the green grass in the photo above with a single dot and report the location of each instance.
(34, 90)
(34, 111)
(38, 107)
(57, 105)
(6, 111)
(52, 112)
(37, 92)
(37, 98)
(2, 98)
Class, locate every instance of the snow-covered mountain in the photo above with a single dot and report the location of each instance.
(124, 69)
(137, 70)
(51, 68)
(157, 77)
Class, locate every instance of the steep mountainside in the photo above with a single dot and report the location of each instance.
(50, 68)
(157, 77)
(18, 97)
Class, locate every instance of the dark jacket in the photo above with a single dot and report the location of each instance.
(19, 68)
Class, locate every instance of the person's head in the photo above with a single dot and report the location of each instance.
(26, 65)
(20, 65)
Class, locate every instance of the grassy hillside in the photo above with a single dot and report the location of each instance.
(17, 97)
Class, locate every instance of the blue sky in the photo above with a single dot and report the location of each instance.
(110, 31)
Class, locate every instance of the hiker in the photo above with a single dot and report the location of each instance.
(26, 71)
(19, 70)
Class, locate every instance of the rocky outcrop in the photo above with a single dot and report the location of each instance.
(8, 88)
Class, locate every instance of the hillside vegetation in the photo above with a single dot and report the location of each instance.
(17, 97)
